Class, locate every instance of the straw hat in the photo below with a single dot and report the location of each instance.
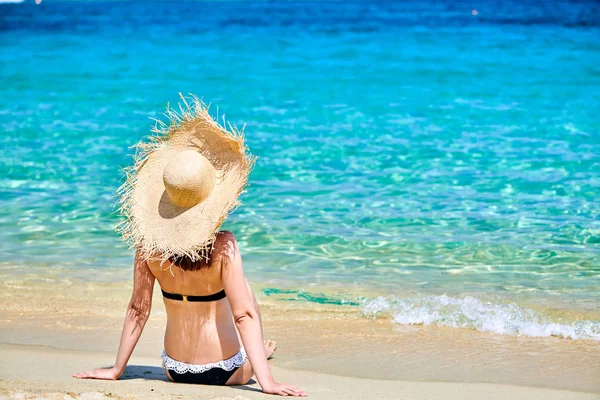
(184, 182)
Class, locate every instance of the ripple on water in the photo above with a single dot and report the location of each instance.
(398, 166)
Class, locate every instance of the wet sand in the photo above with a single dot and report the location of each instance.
(332, 352)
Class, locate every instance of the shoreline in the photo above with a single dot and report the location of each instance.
(517, 316)
(332, 344)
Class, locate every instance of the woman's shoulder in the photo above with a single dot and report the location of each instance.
(225, 235)
(225, 244)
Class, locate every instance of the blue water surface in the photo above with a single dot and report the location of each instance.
(405, 147)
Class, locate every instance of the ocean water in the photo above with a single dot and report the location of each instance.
(429, 162)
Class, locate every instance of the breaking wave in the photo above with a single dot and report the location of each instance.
(470, 312)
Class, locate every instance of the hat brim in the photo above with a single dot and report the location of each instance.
(159, 228)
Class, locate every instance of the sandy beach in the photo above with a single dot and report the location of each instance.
(332, 353)
(34, 372)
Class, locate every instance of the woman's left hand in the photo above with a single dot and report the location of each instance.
(99, 373)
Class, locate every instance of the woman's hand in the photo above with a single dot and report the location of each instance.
(110, 374)
(284, 389)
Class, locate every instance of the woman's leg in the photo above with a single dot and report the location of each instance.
(168, 375)
(242, 375)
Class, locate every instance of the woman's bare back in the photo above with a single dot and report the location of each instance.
(201, 332)
(197, 332)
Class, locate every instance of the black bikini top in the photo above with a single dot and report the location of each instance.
(182, 297)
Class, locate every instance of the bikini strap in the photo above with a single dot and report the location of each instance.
(211, 297)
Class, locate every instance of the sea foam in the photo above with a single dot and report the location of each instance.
(470, 312)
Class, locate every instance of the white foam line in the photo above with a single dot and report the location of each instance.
(470, 312)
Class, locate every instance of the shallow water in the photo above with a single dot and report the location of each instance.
(407, 150)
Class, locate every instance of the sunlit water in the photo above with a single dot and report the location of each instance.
(445, 161)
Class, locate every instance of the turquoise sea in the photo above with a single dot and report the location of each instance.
(435, 162)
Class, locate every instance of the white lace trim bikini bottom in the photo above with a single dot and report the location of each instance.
(181, 368)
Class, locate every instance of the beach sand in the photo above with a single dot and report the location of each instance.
(47, 334)
(39, 371)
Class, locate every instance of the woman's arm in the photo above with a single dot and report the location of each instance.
(138, 312)
(246, 317)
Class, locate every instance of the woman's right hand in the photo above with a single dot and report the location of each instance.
(284, 389)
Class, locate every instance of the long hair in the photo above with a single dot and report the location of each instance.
(186, 263)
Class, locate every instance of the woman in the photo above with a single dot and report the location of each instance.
(182, 186)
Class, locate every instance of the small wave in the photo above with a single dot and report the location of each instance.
(470, 312)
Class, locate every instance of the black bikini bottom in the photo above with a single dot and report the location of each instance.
(215, 376)
(208, 374)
